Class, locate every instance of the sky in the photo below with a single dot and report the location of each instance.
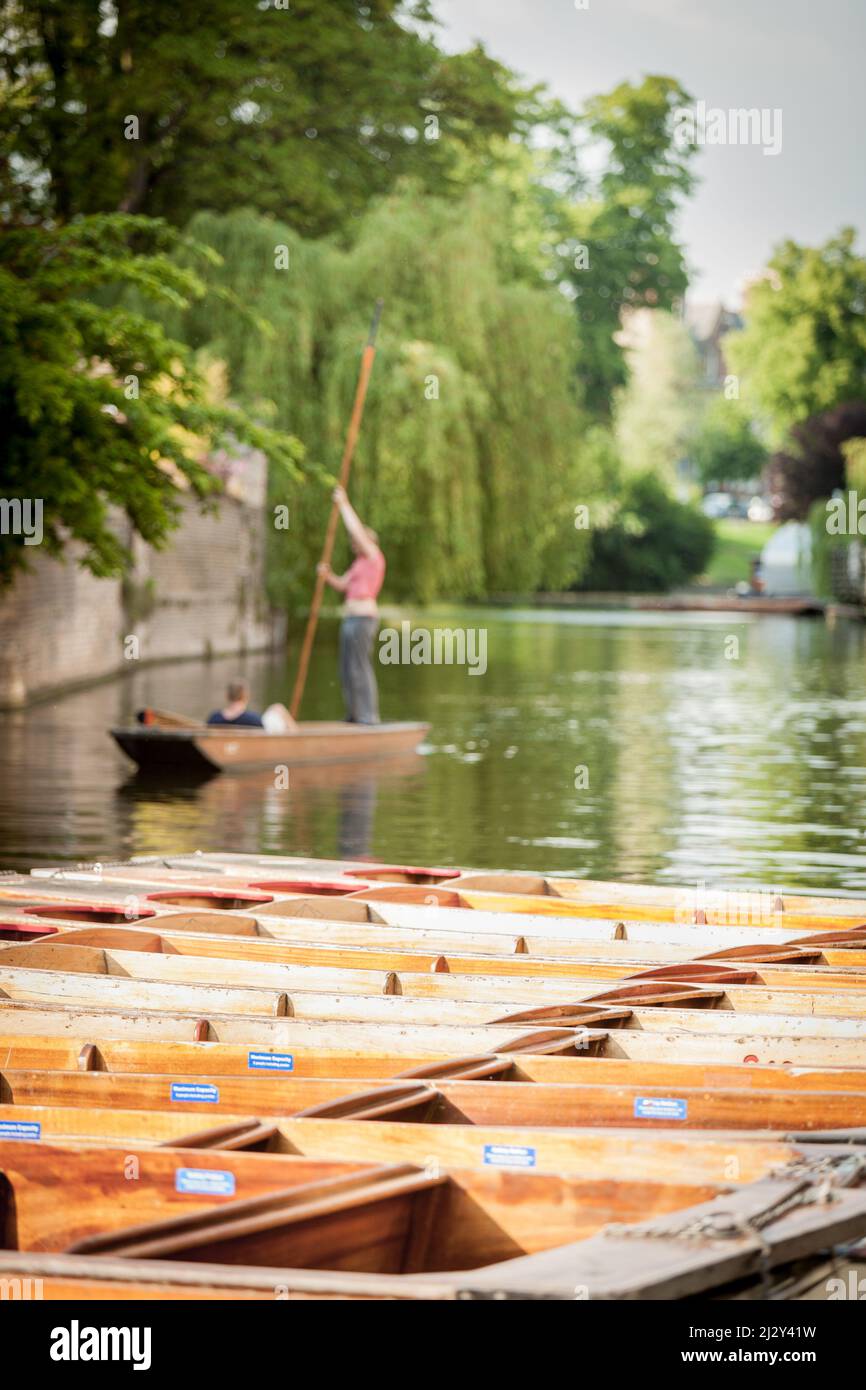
(803, 58)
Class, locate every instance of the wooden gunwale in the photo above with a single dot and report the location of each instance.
(752, 907)
(147, 980)
(644, 1033)
(660, 1154)
(205, 934)
(554, 1104)
(227, 1059)
(782, 967)
(381, 901)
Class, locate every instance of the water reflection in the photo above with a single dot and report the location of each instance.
(705, 758)
(250, 808)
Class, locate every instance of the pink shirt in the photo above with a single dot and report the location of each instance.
(365, 576)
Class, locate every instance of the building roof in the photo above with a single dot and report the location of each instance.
(706, 320)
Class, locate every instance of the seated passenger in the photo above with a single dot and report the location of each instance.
(236, 712)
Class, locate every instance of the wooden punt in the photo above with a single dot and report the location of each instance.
(250, 912)
(314, 893)
(639, 1033)
(208, 749)
(24, 1019)
(307, 942)
(410, 1024)
(468, 1229)
(227, 1059)
(153, 980)
(757, 965)
(479, 1216)
(725, 907)
(744, 907)
(457, 895)
(658, 1155)
(787, 1254)
(363, 975)
(424, 1101)
(488, 912)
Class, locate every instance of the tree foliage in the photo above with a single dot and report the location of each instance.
(371, 163)
(100, 406)
(469, 463)
(726, 447)
(648, 542)
(813, 463)
(618, 242)
(304, 110)
(803, 350)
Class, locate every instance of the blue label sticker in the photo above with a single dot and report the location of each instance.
(190, 1091)
(270, 1061)
(509, 1156)
(660, 1108)
(20, 1129)
(213, 1182)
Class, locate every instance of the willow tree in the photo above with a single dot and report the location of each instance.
(469, 464)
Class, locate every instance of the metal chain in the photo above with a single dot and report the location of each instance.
(817, 1179)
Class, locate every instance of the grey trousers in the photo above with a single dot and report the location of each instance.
(356, 670)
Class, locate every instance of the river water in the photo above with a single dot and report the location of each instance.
(653, 746)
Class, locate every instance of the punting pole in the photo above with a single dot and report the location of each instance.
(330, 535)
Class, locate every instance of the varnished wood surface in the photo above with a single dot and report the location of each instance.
(488, 1215)
(677, 1034)
(793, 968)
(659, 1154)
(472, 1072)
(228, 1059)
(451, 1102)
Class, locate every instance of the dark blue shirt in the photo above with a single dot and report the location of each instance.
(248, 720)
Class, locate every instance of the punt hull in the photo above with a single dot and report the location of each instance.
(213, 749)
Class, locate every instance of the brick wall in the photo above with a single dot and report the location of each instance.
(203, 595)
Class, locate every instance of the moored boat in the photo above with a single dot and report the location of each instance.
(207, 749)
(420, 1037)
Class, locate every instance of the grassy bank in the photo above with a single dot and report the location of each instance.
(736, 542)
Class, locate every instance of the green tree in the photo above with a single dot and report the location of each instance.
(656, 411)
(726, 447)
(619, 242)
(101, 407)
(647, 541)
(470, 462)
(803, 349)
(305, 110)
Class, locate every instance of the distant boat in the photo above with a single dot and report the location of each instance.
(165, 742)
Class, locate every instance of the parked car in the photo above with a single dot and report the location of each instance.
(717, 504)
(738, 508)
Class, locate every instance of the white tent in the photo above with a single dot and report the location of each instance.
(787, 560)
